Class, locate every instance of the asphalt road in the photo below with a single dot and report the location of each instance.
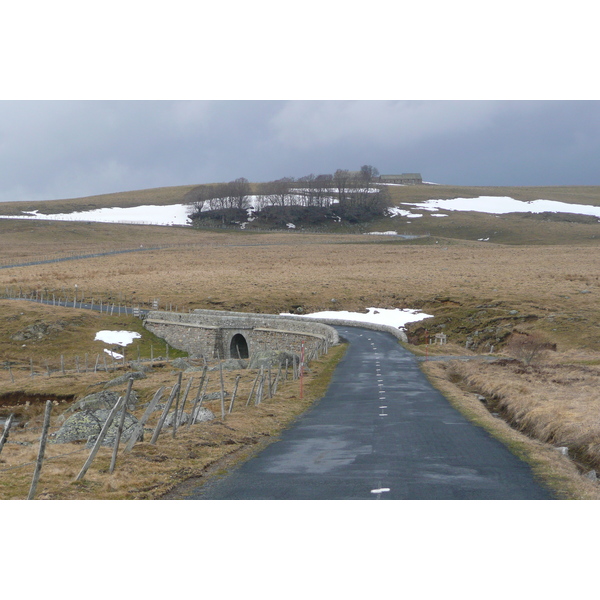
(381, 432)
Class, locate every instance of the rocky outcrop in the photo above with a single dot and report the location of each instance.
(86, 425)
(201, 414)
(101, 400)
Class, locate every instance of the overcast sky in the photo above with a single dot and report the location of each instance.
(86, 108)
(65, 149)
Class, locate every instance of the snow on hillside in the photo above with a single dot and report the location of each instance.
(500, 205)
(173, 214)
(177, 214)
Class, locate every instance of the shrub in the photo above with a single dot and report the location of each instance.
(528, 348)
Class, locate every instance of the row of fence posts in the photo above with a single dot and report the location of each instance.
(100, 365)
(79, 300)
(263, 386)
(112, 364)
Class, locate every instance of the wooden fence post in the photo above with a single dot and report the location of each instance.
(7, 425)
(261, 382)
(113, 460)
(269, 387)
(185, 395)
(277, 380)
(235, 387)
(252, 389)
(41, 451)
(199, 396)
(139, 426)
(222, 391)
(176, 411)
(164, 415)
(101, 436)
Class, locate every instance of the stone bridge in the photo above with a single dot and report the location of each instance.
(214, 334)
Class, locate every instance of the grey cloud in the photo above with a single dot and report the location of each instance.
(60, 149)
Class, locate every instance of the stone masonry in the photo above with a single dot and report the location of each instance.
(213, 334)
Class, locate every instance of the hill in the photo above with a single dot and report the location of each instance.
(409, 219)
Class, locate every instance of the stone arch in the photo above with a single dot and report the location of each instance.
(238, 348)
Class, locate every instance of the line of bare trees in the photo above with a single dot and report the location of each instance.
(350, 190)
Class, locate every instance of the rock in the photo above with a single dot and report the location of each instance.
(231, 364)
(128, 427)
(80, 426)
(272, 358)
(181, 363)
(563, 450)
(38, 331)
(202, 414)
(592, 475)
(194, 370)
(138, 366)
(86, 425)
(101, 400)
(122, 379)
(183, 418)
(513, 312)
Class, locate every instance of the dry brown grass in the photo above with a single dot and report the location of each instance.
(277, 272)
(462, 382)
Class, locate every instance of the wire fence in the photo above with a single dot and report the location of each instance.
(262, 383)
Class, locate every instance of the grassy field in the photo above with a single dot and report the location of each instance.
(534, 275)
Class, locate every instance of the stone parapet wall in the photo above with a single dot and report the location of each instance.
(210, 333)
(397, 333)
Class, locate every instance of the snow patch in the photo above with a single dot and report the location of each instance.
(172, 214)
(499, 205)
(121, 338)
(394, 211)
(396, 317)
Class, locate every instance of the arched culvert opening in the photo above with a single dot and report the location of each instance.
(238, 347)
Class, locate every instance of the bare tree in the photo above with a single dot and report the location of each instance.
(197, 197)
(528, 348)
(323, 189)
(368, 174)
(341, 179)
(279, 192)
(238, 192)
(307, 191)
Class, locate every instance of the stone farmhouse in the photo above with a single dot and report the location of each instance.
(404, 179)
